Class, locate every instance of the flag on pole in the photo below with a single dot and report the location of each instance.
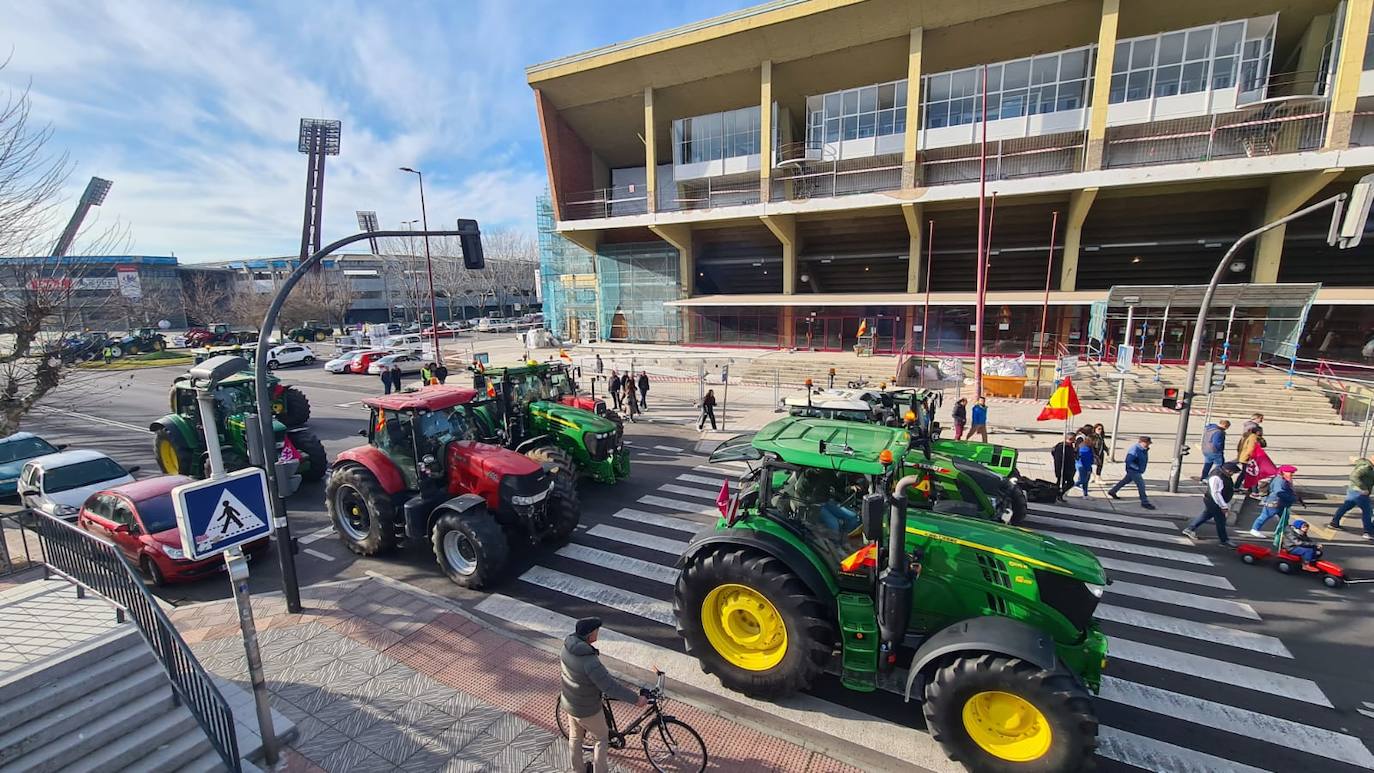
(723, 499)
(564, 354)
(863, 327)
(863, 557)
(1063, 403)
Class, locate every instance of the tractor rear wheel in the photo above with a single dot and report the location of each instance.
(752, 622)
(159, 344)
(557, 457)
(564, 507)
(295, 407)
(470, 547)
(299, 338)
(312, 453)
(1004, 714)
(320, 335)
(1012, 508)
(362, 513)
(131, 348)
(173, 453)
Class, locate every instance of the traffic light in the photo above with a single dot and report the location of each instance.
(470, 239)
(1170, 400)
(1213, 378)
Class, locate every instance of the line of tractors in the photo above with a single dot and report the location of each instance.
(860, 543)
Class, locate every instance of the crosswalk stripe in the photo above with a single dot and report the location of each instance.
(1170, 539)
(1179, 598)
(721, 471)
(1250, 724)
(646, 569)
(661, 544)
(1138, 550)
(678, 505)
(665, 521)
(1100, 515)
(702, 479)
(689, 492)
(600, 593)
(1150, 754)
(1209, 632)
(908, 747)
(1198, 667)
(1166, 573)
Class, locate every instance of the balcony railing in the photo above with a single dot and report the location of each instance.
(1265, 129)
(606, 202)
(1011, 159)
(710, 192)
(799, 180)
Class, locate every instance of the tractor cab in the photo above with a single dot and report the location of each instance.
(415, 434)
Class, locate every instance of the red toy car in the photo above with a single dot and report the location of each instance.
(138, 518)
(1333, 576)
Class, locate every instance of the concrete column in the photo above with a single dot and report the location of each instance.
(1102, 84)
(910, 168)
(650, 151)
(784, 227)
(1080, 202)
(680, 237)
(1345, 89)
(765, 130)
(913, 213)
(1287, 192)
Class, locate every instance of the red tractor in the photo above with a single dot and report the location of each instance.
(425, 476)
(217, 334)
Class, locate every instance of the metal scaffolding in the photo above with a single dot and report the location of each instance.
(567, 277)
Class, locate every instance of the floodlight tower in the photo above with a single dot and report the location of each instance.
(93, 196)
(319, 137)
(367, 223)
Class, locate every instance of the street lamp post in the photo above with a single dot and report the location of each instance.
(429, 266)
(414, 280)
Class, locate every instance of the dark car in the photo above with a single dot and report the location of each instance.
(14, 451)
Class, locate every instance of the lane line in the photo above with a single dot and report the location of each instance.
(1198, 667)
(317, 535)
(1182, 599)
(1166, 573)
(1098, 515)
(702, 479)
(689, 492)
(318, 554)
(665, 521)
(661, 544)
(1137, 550)
(1243, 722)
(646, 569)
(96, 419)
(1118, 531)
(673, 449)
(679, 505)
(600, 593)
(1150, 754)
(1209, 632)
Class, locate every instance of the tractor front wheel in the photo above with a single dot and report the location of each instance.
(752, 622)
(1006, 715)
(362, 513)
(159, 344)
(312, 453)
(557, 457)
(564, 507)
(320, 335)
(295, 407)
(1012, 507)
(470, 547)
(173, 454)
(131, 349)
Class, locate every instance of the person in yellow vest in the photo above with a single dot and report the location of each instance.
(426, 374)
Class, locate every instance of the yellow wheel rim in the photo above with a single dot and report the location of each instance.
(744, 627)
(167, 457)
(1007, 726)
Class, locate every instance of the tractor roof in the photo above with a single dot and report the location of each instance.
(430, 398)
(518, 368)
(845, 445)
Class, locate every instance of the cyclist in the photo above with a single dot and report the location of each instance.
(585, 681)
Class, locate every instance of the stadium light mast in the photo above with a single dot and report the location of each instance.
(93, 196)
(319, 137)
(367, 223)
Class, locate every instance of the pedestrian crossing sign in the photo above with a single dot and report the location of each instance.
(217, 514)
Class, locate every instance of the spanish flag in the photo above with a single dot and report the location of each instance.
(1063, 403)
(866, 556)
(564, 354)
(863, 327)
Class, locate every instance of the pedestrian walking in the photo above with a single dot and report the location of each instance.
(631, 402)
(1213, 446)
(979, 419)
(614, 387)
(599, 366)
(397, 377)
(1281, 496)
(1064, 455)
(1099, 447)
(643, 389)
(1246, 450)
(708, 409)
(1256, 419)
(1085, 463)
(1361, 483)
(1216, 500)
(960, 417)
(386, 379)
(441, 372)
(585, 682)
(107, 354)
(1137, 459)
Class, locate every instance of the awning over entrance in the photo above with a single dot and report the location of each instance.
(1278, 295)
(1005, 298)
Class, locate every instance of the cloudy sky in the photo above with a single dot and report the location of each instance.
(192, 108)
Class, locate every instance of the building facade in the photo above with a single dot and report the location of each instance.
(774, 176)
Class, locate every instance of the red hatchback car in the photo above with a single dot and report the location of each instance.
(138, 518)
(366, 359)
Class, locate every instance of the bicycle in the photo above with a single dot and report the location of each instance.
(670, 745)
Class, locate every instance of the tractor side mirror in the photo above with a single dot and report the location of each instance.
(872, 516)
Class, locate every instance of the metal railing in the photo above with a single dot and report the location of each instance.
(103, 569)
(606, 202)
(710, 192)
(801, 180)
(1265, 129)
(1011, 159)
(15, 553)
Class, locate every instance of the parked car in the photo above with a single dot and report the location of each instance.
(408, 363)
(408, 341)
(364, 361)
(14, 451)
(341, 363)
(289, 354)
(58, 484)
(445, 331)
(138, 518)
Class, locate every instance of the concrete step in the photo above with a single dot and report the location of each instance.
(98, 665)
(82, 728)
(26, 681)
(208, 761)
(150, 745)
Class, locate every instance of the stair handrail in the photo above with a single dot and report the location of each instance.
(98, 566)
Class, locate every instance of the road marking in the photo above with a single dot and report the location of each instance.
(661, 544)
(1139, 550)
(96, 419)
(689, 492)
(702, 479)
(348, 404)
(673, 449)
(600, 593)
(910, 747)
(1170, 539)
(318, 554)
(678, 505)
(1150, 754)
(1100, 515)
(665, 521)
(1198, 667)
(721, 471)
(1243, 722)
(646, 569)
(1219, 634)
(317, 535)
(1166, 573)
(1182, 599)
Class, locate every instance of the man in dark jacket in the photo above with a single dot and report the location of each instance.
(643, 389)
(396, 377)
(1213, 446)
(1361, 484)
(1064, 458)
(386, 379)
(615, 389)
(1216, 501)
(1136, 461)
(585, 681)
(441, 372)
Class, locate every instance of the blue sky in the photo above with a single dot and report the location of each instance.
(192, 108)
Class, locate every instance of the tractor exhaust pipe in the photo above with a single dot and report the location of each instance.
(894, 582)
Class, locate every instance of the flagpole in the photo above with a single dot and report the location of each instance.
(1045, 308)
(925, 321)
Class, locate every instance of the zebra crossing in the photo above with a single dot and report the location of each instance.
(1191, 684)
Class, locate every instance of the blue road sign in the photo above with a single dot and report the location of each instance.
(215, 515)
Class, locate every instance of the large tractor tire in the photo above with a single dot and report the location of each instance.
(615, 416)
(557, 457)
(470, 547)
(320, 335)
(1004, 715)
(312, 451)
(159, 344)
(132, 348)
(174, 455)
(564, 507)
(752, 622)
(295, 407)
(363, 515)
(1012, 507)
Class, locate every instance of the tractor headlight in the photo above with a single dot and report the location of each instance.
(175, 554)
(532, 498)
(1096, 590)
(593, 443)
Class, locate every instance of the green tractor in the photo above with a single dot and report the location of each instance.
(310, 331)
(823, 565)
(179, 441)
(140, 341)
(527, 413)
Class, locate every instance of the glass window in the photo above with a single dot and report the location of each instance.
(832, 104)
(1142, 53)
(1200, 44)
(1042, 99)
(868, 124)
(887, 94)
(937, 87)
(899, 121)
(964, 84)
(886, 120)
(1166, 80)
(901, 93)
(1016, 75)
(1073, 64)
(937, 115)
(1044, 69)
(1013, 104)
(1224, 73)
(1070, 96)
(1194, 77)
(1121, 60)
(1138, 85)
(851, 127)
(994, 76)
(1228, 38)
(868, 99)
(851, 103)
(1171, 48)
(832, 130)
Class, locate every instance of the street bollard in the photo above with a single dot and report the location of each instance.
(777, 398)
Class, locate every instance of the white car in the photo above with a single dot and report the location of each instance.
(289, 354)
(408, 363)
(407, 341)
(341, 363)
(58, 484)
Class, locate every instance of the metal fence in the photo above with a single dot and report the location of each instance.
(1267, 129)
(801, 180)
(19, 549)
(103, 569)
(1010, 159)
(710, 192)
(606, 202)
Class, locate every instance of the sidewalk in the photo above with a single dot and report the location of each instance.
(379, 678)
